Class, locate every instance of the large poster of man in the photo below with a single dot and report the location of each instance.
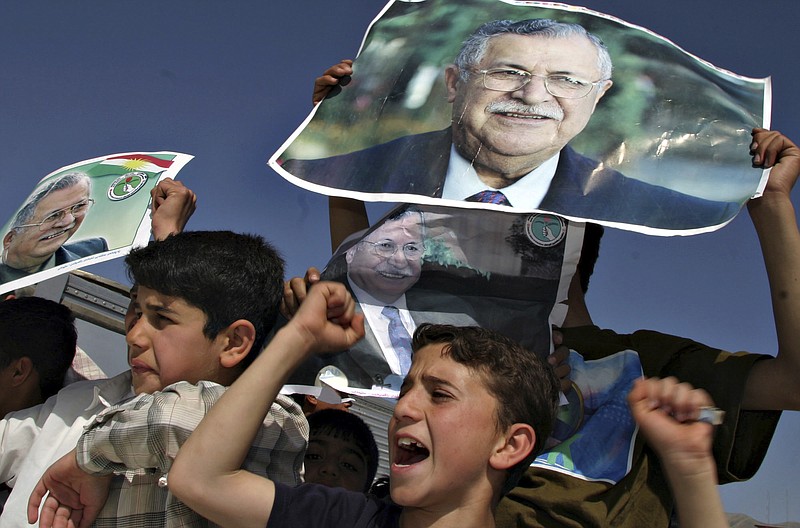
(539, 107)
(425, 264)
(84, 213)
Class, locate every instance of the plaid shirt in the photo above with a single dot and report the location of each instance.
(83, 368)
(139, 439)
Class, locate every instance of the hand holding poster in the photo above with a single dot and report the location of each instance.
(84, 213)
(561, 109)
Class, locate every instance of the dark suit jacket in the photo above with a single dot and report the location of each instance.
(364, 364)
(581, 187)
(80, 249)
(64, 254)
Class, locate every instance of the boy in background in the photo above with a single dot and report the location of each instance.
(37, 346)
(205, 302)
(33, 438)
(341, 451)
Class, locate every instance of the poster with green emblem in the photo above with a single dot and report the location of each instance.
(84, 213)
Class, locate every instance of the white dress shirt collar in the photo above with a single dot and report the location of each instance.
(379, 324)
(527, 192)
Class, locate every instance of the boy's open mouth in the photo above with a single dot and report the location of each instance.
(409, 452)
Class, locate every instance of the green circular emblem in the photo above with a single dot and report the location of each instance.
(545, 230)
(126, 185)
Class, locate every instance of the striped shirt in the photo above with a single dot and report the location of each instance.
(139, 439)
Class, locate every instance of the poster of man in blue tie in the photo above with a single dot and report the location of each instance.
(443, 265)
(87, 212)
(537, 107)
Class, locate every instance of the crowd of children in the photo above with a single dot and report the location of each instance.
(196, 431)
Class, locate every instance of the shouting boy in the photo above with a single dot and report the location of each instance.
(474, 410)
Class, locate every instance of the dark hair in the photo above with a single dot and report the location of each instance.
(525, 387)
(590, 250)
(228, 276)
(349, 427)
(42, 330)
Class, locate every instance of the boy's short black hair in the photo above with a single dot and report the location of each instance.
(229, 276)
(349, 427)
(526, 388)
(42, 330)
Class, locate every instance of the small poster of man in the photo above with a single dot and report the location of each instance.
(508, 272)
(84, 213)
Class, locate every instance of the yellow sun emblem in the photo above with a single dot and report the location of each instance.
(134, 164)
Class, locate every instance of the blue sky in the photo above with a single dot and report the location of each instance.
(229, 81)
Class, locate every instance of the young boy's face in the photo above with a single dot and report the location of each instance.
(166, 342)
(442, 433)
(335, 462)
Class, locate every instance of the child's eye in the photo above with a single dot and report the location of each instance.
(351, 463)
(440, 395)
(312, 456)
(163, 320)
(157, 320)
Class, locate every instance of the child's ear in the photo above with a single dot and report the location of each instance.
(237, 342)
(513, 447)
(20, 369)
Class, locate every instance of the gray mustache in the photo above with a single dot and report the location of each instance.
(544, 110)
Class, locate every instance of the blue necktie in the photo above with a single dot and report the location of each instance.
(399, 337)
(492, 197)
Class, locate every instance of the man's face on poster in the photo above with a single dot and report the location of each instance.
(511, 133)
(59, 214)
(388, 261)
